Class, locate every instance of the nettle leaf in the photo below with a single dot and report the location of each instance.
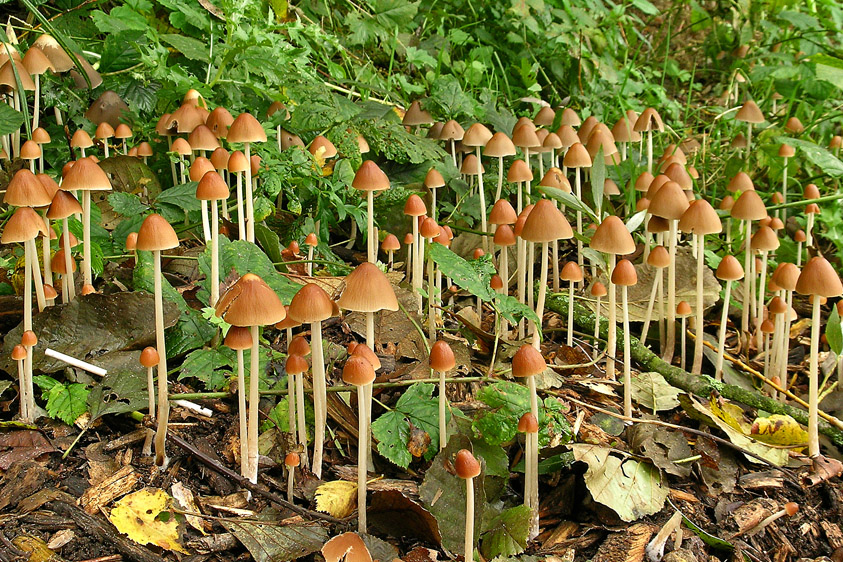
(448, 98)
(507, 533)
(127, 204)
(208, 366)
(182, 196)
(474, 276)
(508, 401)
(829, 68)
(417, 407)
(834, 332)
(395, 13)
(118, 393)
(67, 402)
(514, 310)
(188, 46)
(818, 155)
(391, 140)
(10, 119)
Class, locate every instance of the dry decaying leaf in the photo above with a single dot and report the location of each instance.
(290, 539)
(337, 498)
(118, 484)
(137, 516)
(23, 444)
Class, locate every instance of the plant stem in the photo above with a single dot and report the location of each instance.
(161, 347)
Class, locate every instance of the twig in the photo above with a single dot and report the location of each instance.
(246, 483)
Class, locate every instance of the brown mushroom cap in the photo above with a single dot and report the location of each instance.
(56, 54)
(546, 223)
(765, 240)
(442, 357)
(238, 338)
(292, 460)
(519, 171)
(612, 237)
(299, 346)
(570, 118)
(18, 353)
(786, 151)
(433, 179)
(451, 130)
(357, 371)
(212, 187)
(624, 274)
(367, 289)
(156, 234)
(24, 190)
(348, 547)
(598, 289)
(322, 143)
(572, 272)
(477, 135)
(86, 175)
(245, 128)
(750, 113)
(250, 302)
(296, 365)
(370, 177)
(683, 309)
(311, 304)
(527, 362)
(59, 265)
(149, 357)
(24, 224)
(749, 206)
(415, 116)
(556, 179)
(364, 351)
(730, 269)
(528, 423)
(819, 278)
(502, 213)
(29, 339)
(700, 218)
(649, 120)
(669, 202)
(504, 236)
(465, 465)
(740, 182)
(577, 157)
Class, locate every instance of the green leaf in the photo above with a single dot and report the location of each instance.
(508, 401)
(473, 276)
(67, 403)
(205, 365)
(188, 46)
(507, 533)
(45, 383)
(829, 68)
(118, 393)
(645, 6)
(393, 435)
(391, 140)
(10, 119)
(244, 257)
(126, 204)
(448, 98)
(395, 13)
(834, 332)
(269, 242)
(818, 155)
(569, 200)
(513, 310)
(182, 196)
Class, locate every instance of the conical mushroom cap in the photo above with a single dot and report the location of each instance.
(357, 371)
(250, 302)
(659, 257)
(156, 234)
(612, 237)
(465, 465)
(519, 171)
(477, 135)
(212, 187)
(649, 120)
(433, 179)
(63, 205)
(86, 175)
(749, 206)
(219, 120)
(556, 179)
(367, 290)
(348, 547)
(700, 218)
(786, 276)
(502, 213)
(415, 116)
(570, 118)
(669, 202)
(442, 357)
(545, 117)
(765, 240)
(311, 304)
(415, 207)
(504, 236)
(546, 223)
(245, 128)
(24, 224)
(59, 266)
(498, 146)
(525, 137)
(202, 138)
(750, 113)
(185, 119)
(451, 130)
(624, 274)
(730, 269)
(577, 157)
(370, 177)
(24, 190)
(572, 272)
(819, 278)
(740, 182)
(322, 142)
(527, 362)
(51, 48)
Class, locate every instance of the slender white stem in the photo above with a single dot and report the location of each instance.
(301, 426)
(215, 255)
(555, 264)
(371, 238)
(443, 412)
(86, 237)
(68, 263)
(759, 310)
(483, 224)
(721, 338)
(241, 218)
(813, 382)
(784, 191)
(627, 360)
(596, 328)
(291, 471)
(542, 295)
(747, 281)
(310, 261)
(36, 274)
(362, 453)
(469, 519)
(241, 412)
(650, 151)
(249, 196)
(500, 178)
(206, 225)
(650, 305)
(534, 474)
(416, 263)
(36, 104)
(578, 187)
(47, 251)
(698, 324)
(319, 396)
(27, 398)
(161, 347)
(682, 339)
(431, 315)
(670, 341)
(254, 397)
(571, 314)
(611, 347)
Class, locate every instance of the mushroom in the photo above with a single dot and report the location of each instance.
(299, 346)
(555, 179)
(748, 207)
(87, 176)
(19, 355)
(729, 270)
(818, 279)
(60, 267)
(415, 208)
(529, 426)
(524, 137)
(390, 245)
(467, 468)
(811, 209)
(527, 363)
(149, 359)
(749, 113)
(246, 129)
(572, 273)
(625, 276)
(122, 133)
(250, 302)
(415, 116)
(700, 219)
(311, 304)
(370, 178)
(311, 241)
(765, 241)
(766, 328)
(237, 164)
(29, 340)
(477, 136)
(360, 373)
(577, 157)
(451, 132)
(430, 230)
(104, 132)
(649, 121)
(156, 234)
(612, 238)
(683, 311)
(441, 361)
(347, 547)
(504, 237)
(785, 151)
(36, 63)
(62, 206)
(238, 338)
(544, 224)
(23, 227)
(786, 276)
(790, 509)
(291, 461)
(410, 243)
(212, 188)
(598, 291)
(658, 259)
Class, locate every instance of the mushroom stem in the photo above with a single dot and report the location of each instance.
(362, 454)
(627, 359)
(45, 245)
(431, 313)
(500, 178)
(291, 471)
(650, 305)
(443, 412)
(249, 195)
(762, 284)
(785, 342)
(417, 281)
(310, 261)
(389, 264)
(68, 263)
(454, 154)
(748, 140)
(540, 301)
(670, 341)
(215, 255)
(36, 274)
(521, 249)
(747, 282)
(613, 319)
(650, 151)
(36, 104)
(319, 396)
(150, 387)
(27, 399)
(682, 343)
(571, 314)
(698, 323)
(24, 402)
(534, 468)
(468, 555)
(813, 382)
(206, 226)
(241, 411)
(721, 339)
(555, 263)
(784, 192)
(483, 224)
(301, 426)
(531, 259)
(809, 229)
(578, 187)
(241, 219)
(254, 397)
(161, 346)
(86, 237)
(371, 236)
(368, 388)
(596, 328)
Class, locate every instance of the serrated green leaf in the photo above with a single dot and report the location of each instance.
(126, 204)
(118, 393)
(45, 383)
(181, 196)
(448, 99)
(393, 435)
(473, 276)
(513, 310)
(188, 46)
(418, 407)
(10, 119)
(507, 533)
(205, 365)
(508, 401)
(834, 332)
(67, 403)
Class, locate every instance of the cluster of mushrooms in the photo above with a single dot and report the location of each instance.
(543, 165)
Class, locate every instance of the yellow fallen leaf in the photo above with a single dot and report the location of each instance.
(337, 498)
(730, 413)
(37, 549)
(137, 516)
(779, 430)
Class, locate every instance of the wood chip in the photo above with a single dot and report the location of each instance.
(118, 484)
(832, 534)
(680, 495)
(627, 546)
(762, 480)
(124, 441)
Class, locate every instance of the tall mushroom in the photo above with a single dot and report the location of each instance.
(238, 164)
(818, 279)
(246, 129)
(612, 238)
(625, 276)
(527, 363)
(699, 219)
(441, 361)
(239, 339)
(467, 468)
(572, 273)
(748, 207)
(658, 260)
(750, 114)
(544, 224)
(647, 122)
(598, 291)
(212, 188)
(370, 178)
(250, 302)
(729, 270)
(452, 132)
(87, 176)
(477, 136)
(360, 373)
(577, 157)
(764, 241)
(499, 146)
(64, 205)
(156, 234)
(311, 305)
